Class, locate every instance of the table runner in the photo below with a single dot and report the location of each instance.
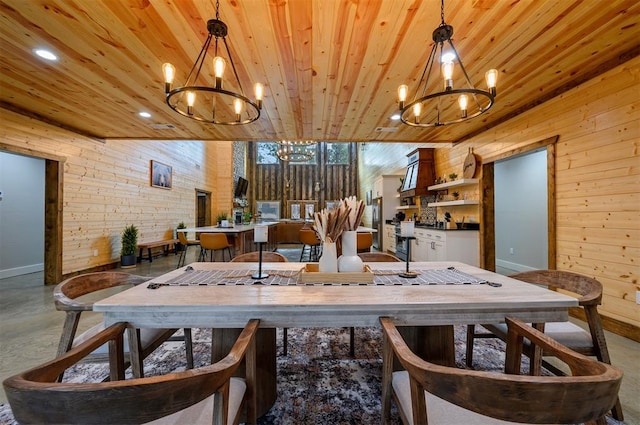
(192, 277)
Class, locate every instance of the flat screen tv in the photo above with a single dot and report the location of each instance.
(241, 188)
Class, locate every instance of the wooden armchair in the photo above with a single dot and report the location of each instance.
(66, 297)
(589, 343)
(450, 395)
(204, 395)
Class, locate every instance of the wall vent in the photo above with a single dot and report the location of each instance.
(163, 126)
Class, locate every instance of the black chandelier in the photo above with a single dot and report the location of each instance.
(212, 104)
(296, 151)
(439, 108)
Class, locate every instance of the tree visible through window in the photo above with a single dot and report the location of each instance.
(266, 153)
(337, 153)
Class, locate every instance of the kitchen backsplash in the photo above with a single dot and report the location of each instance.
(427, 214)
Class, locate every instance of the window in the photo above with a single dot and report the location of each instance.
(337, 153)
(266, 153)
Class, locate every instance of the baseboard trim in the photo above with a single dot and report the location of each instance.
(19, 271)
(612, 325)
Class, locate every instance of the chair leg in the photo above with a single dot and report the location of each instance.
(302, 253)
(284, 341)
(352, 351)
(188, 346)
(471, 330)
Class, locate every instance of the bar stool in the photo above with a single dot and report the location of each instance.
(309, 239)
(186, 243)
(214, 242)
(364, 241)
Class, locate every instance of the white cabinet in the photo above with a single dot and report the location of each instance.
(419, 246)
(389, 238)
(441, 245)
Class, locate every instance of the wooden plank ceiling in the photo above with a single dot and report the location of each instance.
(330, 68)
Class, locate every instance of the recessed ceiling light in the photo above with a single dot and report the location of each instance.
(45, 54)
(144, 114)
(395, 117)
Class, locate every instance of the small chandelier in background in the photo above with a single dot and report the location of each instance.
(439, 108)
(212, 104)
(296, 151)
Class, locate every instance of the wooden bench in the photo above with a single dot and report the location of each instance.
(165, 243)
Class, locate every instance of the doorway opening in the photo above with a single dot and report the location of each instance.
(203, 208)
(53, 184)
(487, 205)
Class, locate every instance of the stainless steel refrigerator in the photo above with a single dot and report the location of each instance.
(377, 222)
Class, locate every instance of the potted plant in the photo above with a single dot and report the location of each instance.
(129, 246)
(222, 216)
(246, 217)
(456, 195)
(453, 176)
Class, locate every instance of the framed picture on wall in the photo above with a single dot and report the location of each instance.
(269, 210)
(295, 211)
(161, 175)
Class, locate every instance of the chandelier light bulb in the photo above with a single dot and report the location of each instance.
(237, 106)
(402, 95)
(492, 79)
(218, 70)
(447, 73)
(417, 109)
(169, 72)
(463, 101)
(191, 100)
(259, 91)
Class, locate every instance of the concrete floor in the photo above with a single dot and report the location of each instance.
(30, 328)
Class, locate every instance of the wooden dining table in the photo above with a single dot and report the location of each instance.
(223, 296)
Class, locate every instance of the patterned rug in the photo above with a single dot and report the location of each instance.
(318, 382)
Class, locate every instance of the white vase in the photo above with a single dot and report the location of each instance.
(349, 260)
(328, 263)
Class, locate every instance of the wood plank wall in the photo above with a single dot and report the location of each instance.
(107, 185)
(283, 181)
(597, 180)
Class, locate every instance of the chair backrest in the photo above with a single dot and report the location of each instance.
(308, 237)
(213, 241)
(364, 240)
(253, 257)
(182, 237)
(589, 289)
(377, 257)
(583, 397)
(66, 291)
(35, 397)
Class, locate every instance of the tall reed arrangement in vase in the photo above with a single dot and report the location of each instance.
(349, 260)
(329, 225)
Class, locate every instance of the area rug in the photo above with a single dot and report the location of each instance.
(318, 382)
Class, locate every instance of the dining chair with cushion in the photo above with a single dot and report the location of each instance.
(308, 238)
(205, 395)
(90, 286)
(364, 241)
(267, 257)
(186, 243)
(253, 257)
(213, 242)
(589, 343)
(426, 392)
